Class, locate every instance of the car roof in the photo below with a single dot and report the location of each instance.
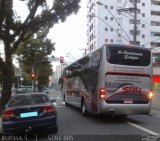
(42, 93)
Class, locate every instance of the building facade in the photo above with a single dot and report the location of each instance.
(55, 80)
(112, 21)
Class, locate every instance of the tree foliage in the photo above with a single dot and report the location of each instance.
(14, 30)
(31, 51)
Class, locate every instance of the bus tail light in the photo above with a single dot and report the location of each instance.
(150, 95)
(102, 93)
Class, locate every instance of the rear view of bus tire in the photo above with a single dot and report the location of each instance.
(64, 100)
(83, 108)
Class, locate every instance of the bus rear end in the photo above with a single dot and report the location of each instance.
(128, 81)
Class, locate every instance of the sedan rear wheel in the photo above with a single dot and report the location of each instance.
(55, 129)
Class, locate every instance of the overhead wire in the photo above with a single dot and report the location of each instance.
(108, 24)
(119, 24)
(146, 26)
(117, 20)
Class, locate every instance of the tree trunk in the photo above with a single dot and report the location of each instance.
(7, 85)
(7, 72)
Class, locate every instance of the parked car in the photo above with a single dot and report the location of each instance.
(45, 90)
(24, 89)
(29, 112)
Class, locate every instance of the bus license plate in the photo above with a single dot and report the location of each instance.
(128, 101)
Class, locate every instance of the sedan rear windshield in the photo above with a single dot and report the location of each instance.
(21, 100)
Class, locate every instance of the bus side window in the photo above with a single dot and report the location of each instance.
(68, 73)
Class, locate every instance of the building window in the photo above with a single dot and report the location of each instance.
(119, 41)
(119, 35)
(112, 29)
(119, 31)
(143, 14)
(111, 40)
(137, 43)
(106, 18)
(155, 23)
(132, 32)
(133, 1)
(155, 34)
(111, 7)
(119, 20)
(106, 40)
(106, 6)
(143, 25)
(106, 29)
(111, 18)
(155, 44)
(155, 2)
(155, 13)
(131, 21)
(143, 4)
(143, 36)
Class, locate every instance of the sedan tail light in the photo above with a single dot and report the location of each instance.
(48, 109)
(8, 113)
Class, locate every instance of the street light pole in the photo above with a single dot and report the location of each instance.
(135, 23)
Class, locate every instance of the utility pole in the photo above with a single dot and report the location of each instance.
(135, 19)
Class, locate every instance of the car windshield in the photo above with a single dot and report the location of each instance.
(21, 100)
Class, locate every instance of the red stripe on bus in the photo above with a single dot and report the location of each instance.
(128, 73)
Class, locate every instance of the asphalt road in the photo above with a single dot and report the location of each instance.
(74, 127)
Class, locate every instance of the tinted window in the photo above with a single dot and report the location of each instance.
(128, 56)
(22, 100)
(86, 69)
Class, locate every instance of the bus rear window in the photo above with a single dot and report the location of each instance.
(128, 56)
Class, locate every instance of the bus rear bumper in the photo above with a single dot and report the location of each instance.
(125, 109)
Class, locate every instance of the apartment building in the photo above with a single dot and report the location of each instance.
(112, 21)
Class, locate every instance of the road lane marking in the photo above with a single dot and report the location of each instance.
(143, 129)
(156, 116)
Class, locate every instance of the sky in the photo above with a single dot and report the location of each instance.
(71, 36)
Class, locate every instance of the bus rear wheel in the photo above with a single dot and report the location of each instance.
(64, 100)
(83, 108)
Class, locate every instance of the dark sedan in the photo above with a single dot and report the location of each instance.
(29, 112)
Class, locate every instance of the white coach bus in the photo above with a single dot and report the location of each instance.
(114, 79)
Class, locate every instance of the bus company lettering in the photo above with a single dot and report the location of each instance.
(131, 89)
